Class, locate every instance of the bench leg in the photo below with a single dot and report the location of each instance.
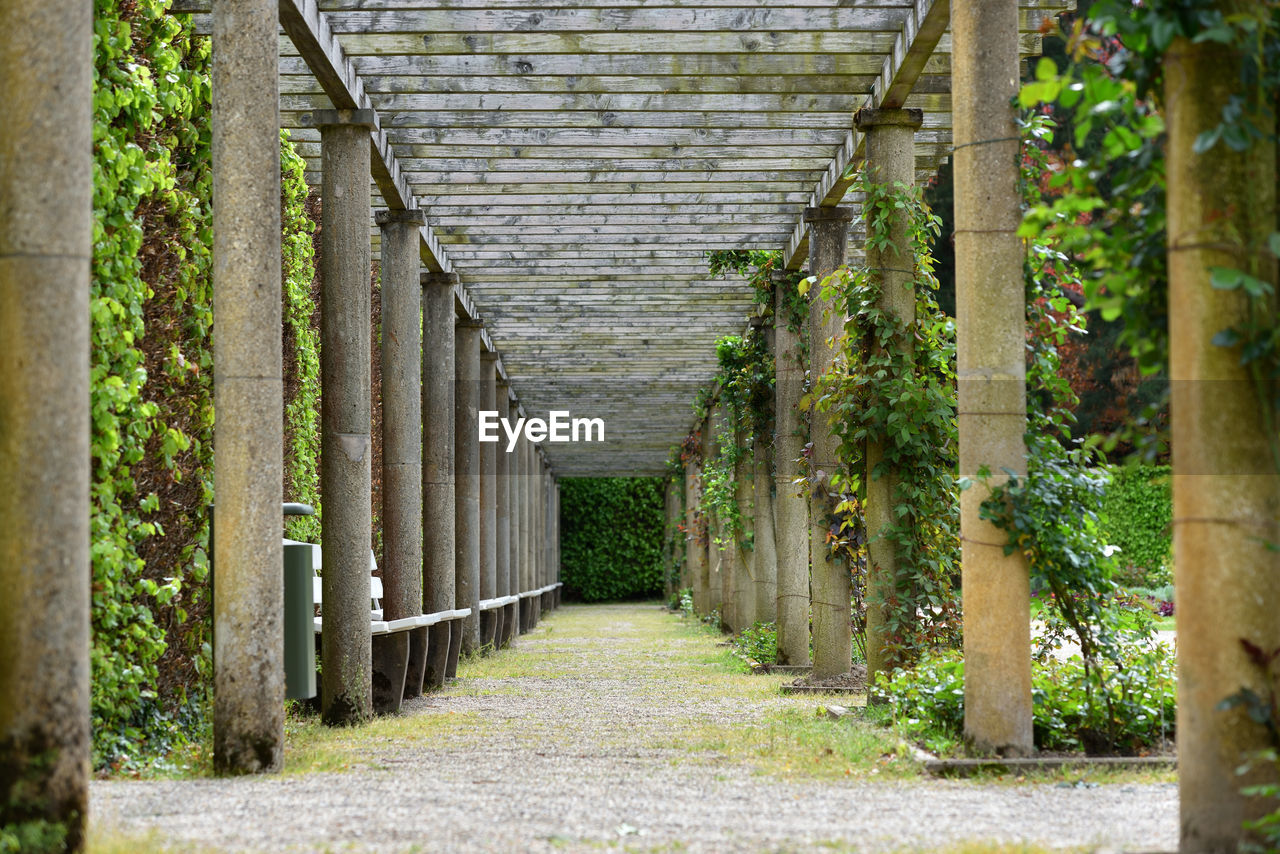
(488, 625)
(437, 656)
(415, 673)
(455, 648)
(390, 665)
(508, 623)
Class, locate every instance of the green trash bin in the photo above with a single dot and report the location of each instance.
(299, 614)
(299, 628)
(299, 610)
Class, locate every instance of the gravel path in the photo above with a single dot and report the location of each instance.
(579, 741)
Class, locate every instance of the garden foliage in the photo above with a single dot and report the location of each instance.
(611, 537)
(1136, 713)
(152, 375)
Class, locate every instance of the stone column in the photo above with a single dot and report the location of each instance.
(832, 630)
(1226, 477)
(539, 528)
(990, 343)
(555, 541)
(490, 619)
(438, 541)
(516, 499)
(402, 539)
(46, 192)
(744, 583)
(695, 554)
(669, 511)
(548, 504)
(526, 521)
(502, 479)
(711, 579)
(765, 548)
(527, 528)
(890, 141)
(790, 510)
(346, 649)
(467, 480)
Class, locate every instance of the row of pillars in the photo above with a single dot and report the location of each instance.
(790, 533)
(464, 522)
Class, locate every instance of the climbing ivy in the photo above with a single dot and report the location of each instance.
(301, 346)
(151, 368)
(894, 383)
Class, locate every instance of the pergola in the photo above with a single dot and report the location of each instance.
(577, 160)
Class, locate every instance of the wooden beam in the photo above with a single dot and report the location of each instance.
(308, 31)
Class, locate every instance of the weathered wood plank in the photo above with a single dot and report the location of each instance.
(533, 44)
(567, 119)
(308, 31)
(649, 65)
(295, 92)
(292, 70)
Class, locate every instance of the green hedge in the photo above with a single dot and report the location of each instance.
(611, 533)
(1136, 513)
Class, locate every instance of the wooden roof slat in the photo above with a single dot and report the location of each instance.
(578, 160)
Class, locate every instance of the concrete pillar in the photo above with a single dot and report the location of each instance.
(516, 501)
(990, 342)
(548, 505)
(502, 479)
(669, 532)
(764, 547)
(744, 583)
(539, 527)
(46, 191)
(711, 582)
(1226, 478)
(890, 141)
(467, 480)
(526, 547)
(790, 509)
(248, 392)
(832, 629)
(402, 539)
(488, 392)
(345, 474)
(695, 552)
(438, 542)
(555, 542)
(526, 520)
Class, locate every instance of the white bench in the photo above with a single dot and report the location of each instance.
(393, 659)
(377, 625)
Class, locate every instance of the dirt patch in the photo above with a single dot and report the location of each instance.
(856, 679)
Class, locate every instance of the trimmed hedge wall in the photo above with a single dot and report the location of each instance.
(611, 532)
(1136, 514)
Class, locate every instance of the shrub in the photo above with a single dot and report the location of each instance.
(1136, 511)
(758, 642)
(611, 536)
(1128, 707)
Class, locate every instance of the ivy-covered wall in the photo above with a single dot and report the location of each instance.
(611, 536)
(152, 375)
